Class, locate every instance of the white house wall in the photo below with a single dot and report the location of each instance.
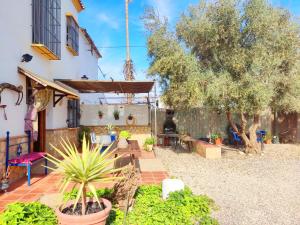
(89, 114)
(16, 40)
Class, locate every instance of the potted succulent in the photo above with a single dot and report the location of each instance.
(216, 138)
(149, 142)
(82, 171)
(123, 137)
(116, 114)
(268, 138)
(100, 114)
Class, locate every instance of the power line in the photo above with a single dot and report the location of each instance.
(123, 46)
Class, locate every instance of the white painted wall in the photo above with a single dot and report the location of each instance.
(89, 114)
(15, 40)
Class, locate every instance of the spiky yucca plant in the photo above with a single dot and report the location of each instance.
(83, 170)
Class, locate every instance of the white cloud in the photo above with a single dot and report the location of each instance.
(105, 19)
(165, 8)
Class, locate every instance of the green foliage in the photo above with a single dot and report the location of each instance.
(110, 128)
(125, 134)
(215, 136)
(100, 113)
(83, 170)
(181, 208)
(149, 141)
(268, 136)
(101, 193)
(83, 131)
(33, 213)
(116, 113)
(233, 56)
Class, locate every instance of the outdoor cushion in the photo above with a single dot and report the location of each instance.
(27, 158)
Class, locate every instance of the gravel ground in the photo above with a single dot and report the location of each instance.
(249, 190)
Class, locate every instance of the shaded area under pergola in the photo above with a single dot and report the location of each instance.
(97, 86)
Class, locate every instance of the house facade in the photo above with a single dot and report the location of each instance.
(41, 41)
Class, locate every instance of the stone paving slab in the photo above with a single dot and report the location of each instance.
(151, 165)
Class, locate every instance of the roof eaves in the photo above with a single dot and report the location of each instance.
(90, 40)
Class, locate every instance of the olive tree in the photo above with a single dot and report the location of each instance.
(238, 57)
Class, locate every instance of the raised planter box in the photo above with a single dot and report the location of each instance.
(206, 150)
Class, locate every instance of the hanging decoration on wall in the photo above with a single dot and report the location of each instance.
(4, 112)
(18, 89)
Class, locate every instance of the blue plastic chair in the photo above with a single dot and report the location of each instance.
(260, 135)
(236, 138)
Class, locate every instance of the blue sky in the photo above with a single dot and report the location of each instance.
(105, 22)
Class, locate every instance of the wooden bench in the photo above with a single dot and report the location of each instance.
(25, 160)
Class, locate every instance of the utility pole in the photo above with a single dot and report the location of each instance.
(127, 31)
(128, 69)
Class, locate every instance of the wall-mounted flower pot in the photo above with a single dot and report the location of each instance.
(117, 117)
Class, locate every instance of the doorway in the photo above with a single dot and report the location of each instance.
(40, 144)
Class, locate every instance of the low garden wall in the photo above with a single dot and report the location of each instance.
(199, 122)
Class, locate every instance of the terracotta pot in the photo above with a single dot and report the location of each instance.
(218, 141)
(91, 219)
(268, 141)
(100, 117)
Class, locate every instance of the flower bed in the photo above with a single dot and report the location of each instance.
(181, 208)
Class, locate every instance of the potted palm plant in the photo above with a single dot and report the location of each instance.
(82, 171)
(116, 114)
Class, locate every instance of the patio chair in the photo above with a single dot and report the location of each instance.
(236, 138)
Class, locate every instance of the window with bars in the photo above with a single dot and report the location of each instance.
(46, 24)
(73, 113)
(72, 35)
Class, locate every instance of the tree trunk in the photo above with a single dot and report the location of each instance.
(83, 201)
(250, 141)
(232, 124)
(254, 146)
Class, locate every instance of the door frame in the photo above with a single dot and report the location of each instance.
(41, 131)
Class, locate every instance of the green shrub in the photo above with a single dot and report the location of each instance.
(101, 193)
(181, 208)
(149, 141)
(125, 134)
(33, 213)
